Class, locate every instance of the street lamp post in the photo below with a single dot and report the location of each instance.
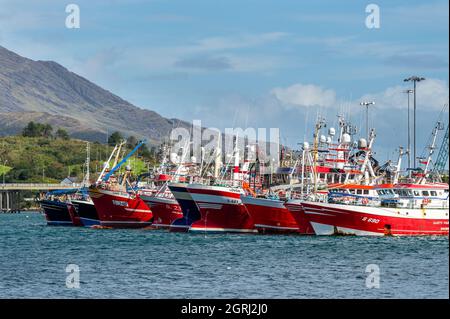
(414, 79)
(366, 104)
(409, 129)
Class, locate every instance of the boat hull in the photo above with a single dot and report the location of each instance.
(165, 210)
(272, 217)
(76, 221)
(221, 210)
(190, 211)
(87, 212)
(120, 210)
(335, 219)
(56, 213)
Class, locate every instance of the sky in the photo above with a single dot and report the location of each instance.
(251, 63)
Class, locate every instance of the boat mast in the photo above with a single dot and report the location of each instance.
(106, 164)
(116, 159)
(217, 157)
(320, 123)
(439, 126)
(236, 163)
(291, 177)
(118, 165)
(398, 166)
(88, 159)
(366, 163)
(305, 149)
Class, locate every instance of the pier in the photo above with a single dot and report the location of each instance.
(10, 201)
(11, 194)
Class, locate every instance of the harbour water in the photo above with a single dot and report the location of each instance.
(159, 264)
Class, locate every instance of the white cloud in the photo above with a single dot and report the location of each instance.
(304, 95)
(431, 94)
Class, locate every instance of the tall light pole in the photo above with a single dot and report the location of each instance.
(409, 129)
(367, 104)
(414, 79)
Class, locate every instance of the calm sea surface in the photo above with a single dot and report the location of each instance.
(159, 264)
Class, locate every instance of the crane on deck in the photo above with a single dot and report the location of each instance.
(442, 157)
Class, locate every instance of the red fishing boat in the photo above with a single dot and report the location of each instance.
(190, 211)
(164, 207)
(404, 209)
(160, 199)
(118, 204)
(120, 209)
(221, 209)
(220, 205)
(271, 216)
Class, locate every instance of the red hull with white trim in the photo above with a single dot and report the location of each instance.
(329, 219)
(272, 217)
(165, 210)
(221, 210)
(120, 210)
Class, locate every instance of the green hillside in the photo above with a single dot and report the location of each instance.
(50, 159)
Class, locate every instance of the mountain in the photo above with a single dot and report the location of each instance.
(46, 92)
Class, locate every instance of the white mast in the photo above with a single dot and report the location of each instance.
(320, 124)
(398, 166)
(118, 153)
(217, 157)
(106, 165)
(432, 147)
(88, 159)
(366, 163)
(236, 163)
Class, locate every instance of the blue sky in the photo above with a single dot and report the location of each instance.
(252, 63)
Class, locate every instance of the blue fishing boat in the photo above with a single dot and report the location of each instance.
(56, 209)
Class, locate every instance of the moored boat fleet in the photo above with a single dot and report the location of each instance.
(334, 187)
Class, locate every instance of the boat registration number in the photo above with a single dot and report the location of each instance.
(120, 203)
(370, 220)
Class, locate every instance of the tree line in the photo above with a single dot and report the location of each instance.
(46, 130)
(131, 142)
(43, 153)
(43, 130)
